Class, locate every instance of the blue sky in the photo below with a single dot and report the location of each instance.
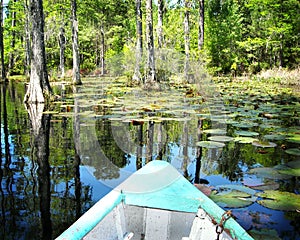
(5, 2)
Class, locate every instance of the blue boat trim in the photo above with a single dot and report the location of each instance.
(92, 217)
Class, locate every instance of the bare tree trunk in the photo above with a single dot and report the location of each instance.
(187, 38)
(201, 25)
(13, 40)
(62, 48)
(3, 74)
(160, 23)
(27, 40)
(76, 61)
(39, 86)
(139, 41)
(102, 51)
(150, 75)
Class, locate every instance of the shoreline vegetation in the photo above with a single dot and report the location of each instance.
(281, 76)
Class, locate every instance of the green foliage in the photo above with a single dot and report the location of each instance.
(240, 36)
(223, 31)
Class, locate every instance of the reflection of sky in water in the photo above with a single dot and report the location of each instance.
(99, 189)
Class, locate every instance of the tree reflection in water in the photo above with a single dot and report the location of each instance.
(41, 193)
(40, 124)
(45, 190)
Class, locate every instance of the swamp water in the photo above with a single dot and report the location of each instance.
(239, 144)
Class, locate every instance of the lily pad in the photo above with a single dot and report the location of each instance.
(237, 188)
(264, 144)
(270, 173)
(264, 234)
(204, 189)
(278, 200)
(210, 144)
(221, 138)
(294, 164)
(217, 131)
(245, 139)
(245, 125)
(233, 196)
(276, 137)
(246, 133)
(295, 138)
(293, 151)
(290, 171)
(234, 199)
(267, 186)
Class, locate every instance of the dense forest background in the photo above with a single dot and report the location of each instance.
(240, 36)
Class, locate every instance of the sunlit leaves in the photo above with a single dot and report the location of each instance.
(279, 200)
(264, 144)
(210, 144)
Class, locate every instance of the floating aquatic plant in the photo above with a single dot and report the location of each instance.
(278, 200)
(295, 138)
(245, 139)
(220, 138)
(274, 137)
(210, 144)
(246, 133)
(217, 131)
(264, 234)
(268, 172)
(293, 151)
(233, 196)
(264, 144)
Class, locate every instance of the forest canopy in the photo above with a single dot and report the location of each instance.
(244, 36)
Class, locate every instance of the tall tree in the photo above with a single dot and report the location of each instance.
(39, 87)
(102, 50)
(160, 18)
(187, 5)
(150, 75)
(76, 61)
(62, 48)
(13, 37)
(27, 39)
(2, 42)
(62, 39)
(201, 25)
(139, 40)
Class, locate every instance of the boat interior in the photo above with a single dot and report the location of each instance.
(140, 223)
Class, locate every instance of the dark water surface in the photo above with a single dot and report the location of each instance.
(56, 165)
